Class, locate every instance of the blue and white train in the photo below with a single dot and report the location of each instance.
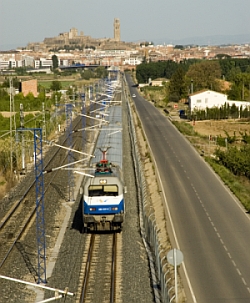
(103, 194)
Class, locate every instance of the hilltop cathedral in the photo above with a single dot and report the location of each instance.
(72, 40)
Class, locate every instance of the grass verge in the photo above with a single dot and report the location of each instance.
(239, 186)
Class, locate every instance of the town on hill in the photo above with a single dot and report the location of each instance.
(73, 47)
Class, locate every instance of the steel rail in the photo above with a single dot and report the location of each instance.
(87, 269)
(113, 269)
(85, 284)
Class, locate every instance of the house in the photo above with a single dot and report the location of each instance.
(208, 99)
(158, 82)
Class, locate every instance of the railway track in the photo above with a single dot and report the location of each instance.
(99, 278)
(23, 259)
(20, 216)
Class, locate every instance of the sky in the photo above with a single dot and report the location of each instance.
(199, 22)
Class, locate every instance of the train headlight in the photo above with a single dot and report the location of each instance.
(103, 181)
(114, 208)
(92, 209)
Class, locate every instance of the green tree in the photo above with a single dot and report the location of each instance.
(239, 90)
(205, 75)
(87, 74)
(21, 71)
(55, 85)
(54, 62)
(30, 97)
(235, 92)
(15, 82)
(177, 86)
(101, 72)
(179, 47)
(234, 111)
(233, 73)
(3, 94)
(222, 56)
(228, 65)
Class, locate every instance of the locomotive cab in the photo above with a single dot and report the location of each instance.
(103, 199)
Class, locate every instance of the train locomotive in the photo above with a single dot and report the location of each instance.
(103, 194)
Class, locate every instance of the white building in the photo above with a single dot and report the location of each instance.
(209, 99)
(46, 62)
(4, 64)
(37, 63)
(12, 63)
(133, 59)
(28, 61)
(64, 62)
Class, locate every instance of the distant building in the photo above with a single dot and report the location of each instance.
(29, 86)
(158, 82)
(44, 62)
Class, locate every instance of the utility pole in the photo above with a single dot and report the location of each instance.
(44, 123)
(22, 138)
(83, 111)
(68, 109)
(243, 92)
(12, 111)
(192, 86)
(40, 222)
(56, 112)
(11, 152)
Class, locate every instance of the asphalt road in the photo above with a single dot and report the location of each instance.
(209, 226)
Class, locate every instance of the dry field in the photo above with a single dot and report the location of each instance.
(7, 114)
(212, 129)
(218, 128)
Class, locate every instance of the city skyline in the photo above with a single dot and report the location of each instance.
(179, 22)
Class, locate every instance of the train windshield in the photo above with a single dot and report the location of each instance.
(103, 190)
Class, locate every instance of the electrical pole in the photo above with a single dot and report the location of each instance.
(44, 123)
(243, 92)
(83, 111)
(56, 112)
(39, 200)
(70, 155)
(11, 143)
(22, 138)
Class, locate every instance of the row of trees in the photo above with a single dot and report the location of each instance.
(154, 70)
(99, 72)
(223, 112)
(30, 121)
(237, 160)
(194, 75)
(30, 103)
(86, 74)
(73, 46)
